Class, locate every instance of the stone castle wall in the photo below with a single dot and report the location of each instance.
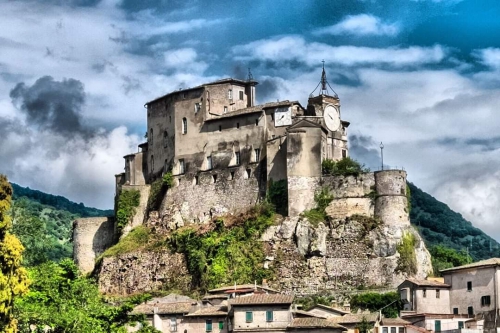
(391, 203)
(141, 211)
(91, 237)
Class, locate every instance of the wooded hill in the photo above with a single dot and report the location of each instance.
(43, 223)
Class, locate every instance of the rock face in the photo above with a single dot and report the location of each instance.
(339, 255)
(143, 272)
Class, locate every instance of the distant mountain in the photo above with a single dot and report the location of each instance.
(439, 225)
(43, 222)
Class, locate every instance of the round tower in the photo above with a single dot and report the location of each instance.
(391, 204)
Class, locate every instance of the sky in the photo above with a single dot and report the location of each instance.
(421, 76)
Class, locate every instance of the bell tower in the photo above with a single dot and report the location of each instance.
(323, 106)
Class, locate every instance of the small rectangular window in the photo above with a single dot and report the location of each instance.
(182, 166)
(393, 329)
(438, 293)
(269, 316)
(208, 325)
(424, 293)
(437, 326)
(249, 172)
(231, 175)
(184, 126)
(249, 316)
(257, 155)
(214, 178)
(485, 300)
(470, 311)
(241, 95)
(455, 310)
(230, 94)
(385, 329)
(197, 107)
(460, 325)
(225, 109)
(209, 163)
(344, 153)
(401, 330)
(237, 125)
(469, 285)
(256, 122)
(237, 155)
(173, 324)
(221, 325)
(220, 128)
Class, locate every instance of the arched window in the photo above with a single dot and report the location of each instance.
(152, 163)
(165, 139)
(151, 136)
(184, 126)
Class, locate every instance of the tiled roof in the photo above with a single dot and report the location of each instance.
(314, 323)
(300, 313)
(262, 299)
(418, 329)
(216, 296)
(209, 311)
(329, 308)
(253, 109)
(239, 286)
(163, 308)
(428, 283)
(394, 322)
(355, 318)
(482, 263)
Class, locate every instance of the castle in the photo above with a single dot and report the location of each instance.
(224, 152)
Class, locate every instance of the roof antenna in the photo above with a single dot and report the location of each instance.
(250, 76)
(324, 85)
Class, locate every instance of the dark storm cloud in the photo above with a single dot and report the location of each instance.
(267, 90)
(361, 148)
(52, 105)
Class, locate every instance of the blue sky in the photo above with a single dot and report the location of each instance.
(421, 76)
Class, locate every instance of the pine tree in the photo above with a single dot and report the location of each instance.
(13, 278)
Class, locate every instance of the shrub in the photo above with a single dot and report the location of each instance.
(128, 202)
(155, 194)
(168, 179)
(135, 239)
(277, 195)
(318, 214)
(407, 261)
(345, 167)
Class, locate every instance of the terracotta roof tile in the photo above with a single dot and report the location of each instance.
(253, 109)
(428, 283)
(482, 263)
(209, 311)
(314, 323)
(300, 313)
(262, 299)
(355, 318)
(329, 308)
(163, 308)
(394, 322)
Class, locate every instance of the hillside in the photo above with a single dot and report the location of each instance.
(439, 225)
(43, 223)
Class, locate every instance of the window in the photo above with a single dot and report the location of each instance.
(196, 180)
(401, 330)
(237, 155)
(208, 325)
(151, 136)
(237, 125)
(249, 316)
(170, 118)
(470, 311)
(209, 162)
(231, 176)
(257, 155)
(230, 94)
(385, 329)
(455, 310)
(184, 126)
(241, 95)
(184, 95)
(460, 325)
(220, 128)
(214, 178)
(225, 109)
(173, 324)
(152, 163)
(344, 153)
(269, 316)
(197, 107)
(393, 329)
(424, 293)
(249, 172)
(438, 293)
(256, 122)
(272, 116)
(469, 285)
(485, 300)
(182, 166)
(221, 325)
(165, 139)
(437, 326)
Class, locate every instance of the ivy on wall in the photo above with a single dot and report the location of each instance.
(277, 195)
(345, 167)
(407, 261)
(128, 202)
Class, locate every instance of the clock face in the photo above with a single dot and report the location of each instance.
(332, 118)
(283, 116)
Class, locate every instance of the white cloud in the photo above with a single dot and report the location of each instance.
(361, 25)
(489, 57)
(295, 48)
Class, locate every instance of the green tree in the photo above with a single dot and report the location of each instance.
(364, 326)
(390, 303)
(13, 278)
(60, 289)
(444, 257)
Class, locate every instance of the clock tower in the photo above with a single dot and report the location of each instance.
(324, 108)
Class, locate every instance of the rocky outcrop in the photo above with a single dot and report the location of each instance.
(141, 272)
